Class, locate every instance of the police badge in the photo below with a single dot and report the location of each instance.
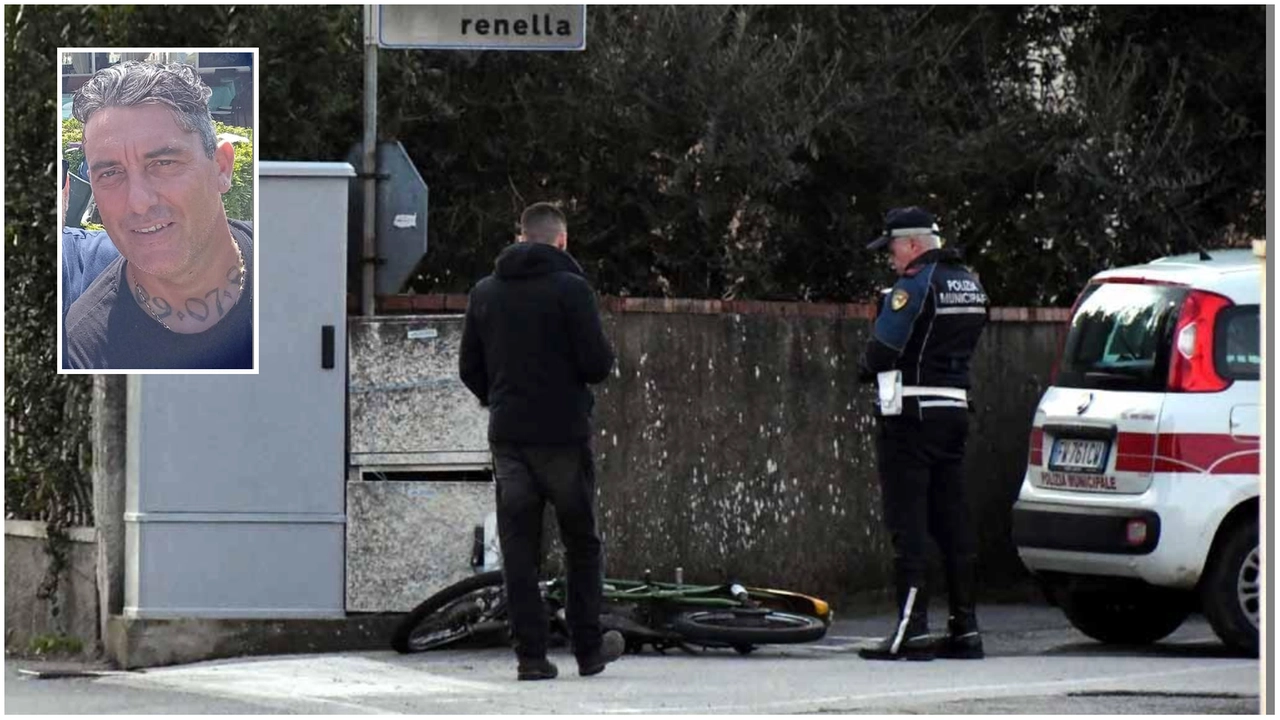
(899, 300)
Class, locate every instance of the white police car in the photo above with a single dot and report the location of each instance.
(1140, 501)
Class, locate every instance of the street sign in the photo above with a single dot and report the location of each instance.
(400, 212)
(483, 27)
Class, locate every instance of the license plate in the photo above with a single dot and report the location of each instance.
(1079, 455)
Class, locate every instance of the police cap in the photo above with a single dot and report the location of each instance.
(905, 222)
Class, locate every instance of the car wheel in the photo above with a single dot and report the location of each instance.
(1129, 616)
(1230, 590)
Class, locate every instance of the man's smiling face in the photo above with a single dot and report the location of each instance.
(159, 195)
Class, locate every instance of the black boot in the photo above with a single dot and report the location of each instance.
(963, 640)
(910, 639)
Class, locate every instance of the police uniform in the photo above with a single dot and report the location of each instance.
(926, 330)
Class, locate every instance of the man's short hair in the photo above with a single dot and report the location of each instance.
(130, 83)
(542, 223)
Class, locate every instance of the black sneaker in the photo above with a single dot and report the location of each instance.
(915, 647)
(611, 646)
(536, 669)
(964, 646)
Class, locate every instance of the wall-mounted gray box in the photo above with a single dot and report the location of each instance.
(408, 539)
(407, 405)
(234, 503)
(419, 455)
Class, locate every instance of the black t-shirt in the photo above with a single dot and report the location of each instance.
(107, 330)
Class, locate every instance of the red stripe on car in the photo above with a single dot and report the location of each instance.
(1211, 453)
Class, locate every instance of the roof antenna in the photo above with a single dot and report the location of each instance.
(1204, 256)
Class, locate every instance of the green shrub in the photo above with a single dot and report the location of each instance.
(55, 645)
(72, 132)
(239, 199)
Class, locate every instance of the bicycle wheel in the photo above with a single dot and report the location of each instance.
(749, 626)
(453, 614)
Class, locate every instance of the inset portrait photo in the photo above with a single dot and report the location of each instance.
(157, 200)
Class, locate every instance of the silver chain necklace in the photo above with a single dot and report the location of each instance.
(140, 292)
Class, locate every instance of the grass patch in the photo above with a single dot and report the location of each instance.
(54, 645)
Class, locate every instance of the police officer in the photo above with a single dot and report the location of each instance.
(918, 355)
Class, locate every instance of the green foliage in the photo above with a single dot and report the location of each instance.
(72, 132)
(47, 449)
(55, 646)
(238, 201)
(752, 151)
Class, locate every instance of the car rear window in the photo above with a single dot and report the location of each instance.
(1237, 343)
(1120, 337)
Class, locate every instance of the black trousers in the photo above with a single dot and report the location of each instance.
(922, 485)
(527, 477)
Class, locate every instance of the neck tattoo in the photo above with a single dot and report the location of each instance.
(159, 308)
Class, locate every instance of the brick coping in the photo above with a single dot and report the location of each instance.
(448, 303)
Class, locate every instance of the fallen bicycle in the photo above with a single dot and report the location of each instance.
(661, 615)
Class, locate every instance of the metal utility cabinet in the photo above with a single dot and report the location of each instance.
(307, 491)
(234, 501)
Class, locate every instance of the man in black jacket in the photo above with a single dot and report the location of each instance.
(531, 343)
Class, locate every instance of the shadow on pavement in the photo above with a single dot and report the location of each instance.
(1196, 650)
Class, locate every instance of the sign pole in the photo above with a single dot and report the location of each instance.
(444, 27)
(369, 169)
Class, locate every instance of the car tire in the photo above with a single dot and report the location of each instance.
(1229, 590)
(1128, 616)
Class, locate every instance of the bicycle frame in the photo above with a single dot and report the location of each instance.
(646, 613)
(650, 612)
(726, 596)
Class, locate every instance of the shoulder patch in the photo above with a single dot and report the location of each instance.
(899, 299)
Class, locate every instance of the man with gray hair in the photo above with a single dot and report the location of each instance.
(918, 355)
(180, 295)
(532, 341)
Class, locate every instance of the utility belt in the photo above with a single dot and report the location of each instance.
(891, 392)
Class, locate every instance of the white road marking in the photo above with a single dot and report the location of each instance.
(330, 680)
(65, 674)
(965, 692)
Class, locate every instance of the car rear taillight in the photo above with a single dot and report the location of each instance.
(1191, 361)
(1035, 455)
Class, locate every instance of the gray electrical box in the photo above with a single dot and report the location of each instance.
(235, 502)
(401, 222)
(408, 406)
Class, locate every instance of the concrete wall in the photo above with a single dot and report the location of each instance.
(741, 446)
(733, 441)
(25, 564)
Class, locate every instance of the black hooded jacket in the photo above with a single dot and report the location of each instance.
(531, 343)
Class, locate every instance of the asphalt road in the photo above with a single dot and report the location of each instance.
(1036, 664)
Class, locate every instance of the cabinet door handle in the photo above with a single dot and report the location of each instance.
(326, 347)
